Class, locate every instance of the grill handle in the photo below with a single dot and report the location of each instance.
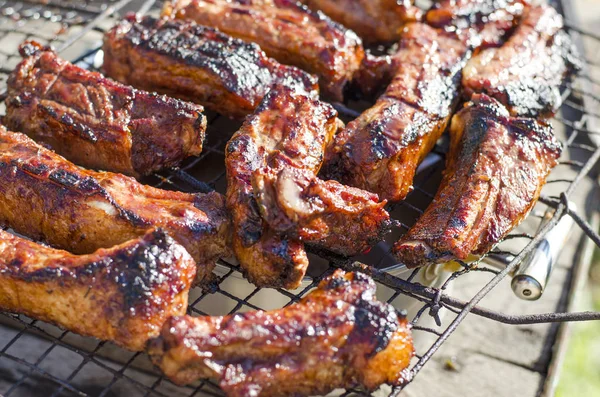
(529, 281)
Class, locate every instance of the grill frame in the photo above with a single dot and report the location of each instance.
(579, 119)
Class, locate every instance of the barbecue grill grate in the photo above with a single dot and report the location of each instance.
(66, 23)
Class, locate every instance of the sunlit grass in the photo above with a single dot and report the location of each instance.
(581, 371)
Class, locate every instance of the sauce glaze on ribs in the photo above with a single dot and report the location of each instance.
(45, 197)
(381, 149)
(496, 168)
(276, 200)
(373, 20)
(526, 72)
(196, 63)
(96, 122)
(123, 294)
(287, 31)
(338, 336)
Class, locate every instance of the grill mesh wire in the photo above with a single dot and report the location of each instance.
(23, 20)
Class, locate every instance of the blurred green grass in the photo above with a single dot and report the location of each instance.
(581, 371)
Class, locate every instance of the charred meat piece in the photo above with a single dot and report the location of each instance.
(381, 149)
(526, 72)
(493, 19)
(45, 197)
(122, 294)
(342, 219)
(96, 122)
(287, 31)
(196, 63)
(373, 20)
(496, 168)
(338, 336)
(276, 200)
(285, 122)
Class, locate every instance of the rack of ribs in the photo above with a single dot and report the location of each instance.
(287, 31)
(374, 21)
(96, 122)
(525, 74)
(496, 168)
(381, 149)
(81, 210)
(196, 63)
(123, 294)
(338, 336)
(276, 200)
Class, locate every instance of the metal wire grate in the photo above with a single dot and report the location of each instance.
(75, 28)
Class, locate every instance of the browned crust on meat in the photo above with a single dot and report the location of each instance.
(525, 74)
(82, 211)
(286, 122)
(338, 336)
(287, 31)
(196, 63)
(496, 168)
(381, 149)
(122, 294)
(96, 122)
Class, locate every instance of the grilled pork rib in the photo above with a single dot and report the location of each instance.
(337, 336)
(286, 31)
(46, 197)
(381, 149)
(276, 200)
(96, 122)
(373, 20)
(123, 294)
(496, 168)
(526, 72)
(196, 63)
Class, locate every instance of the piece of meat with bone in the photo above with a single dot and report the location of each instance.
(496, 168)
(493, 19)
(525, 74)
(96, 122)
(342, 219)
(122, 294)
(374, 21)
(45, 197)
(275, 199)
(338, 336)
(287, 31)
(196, 63)
(381, 149)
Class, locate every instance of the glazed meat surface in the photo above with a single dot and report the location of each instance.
(342, 219)
(526, 72)
(287, 31)
(96, 122)
(381, 149)
(373, 20)
(196, 63)
(275, 199)
(496, 168)
(122, 294)
(493, 19)
(338, 336)
(82, 211)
